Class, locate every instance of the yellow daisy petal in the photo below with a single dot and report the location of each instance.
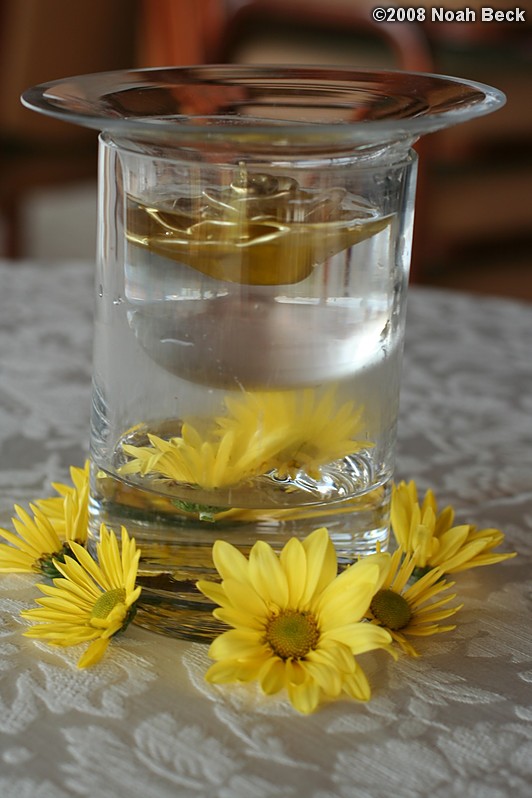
(110, 559)
(295, 670)
(74, 572)
(450, 542)
(272, 676)
(333, 654)
(429, 629)
(243, 596)
(357, 686)
(238, 618)
(347, 598)
(467, 554)
(14, 561)
(322, 566)
(59, 615)
(214, 591)
(267, 575)
(304, 697)
(72, 592)
(428, 615)
(238, 644)
(94, 653)
(294, 562)
(228, 671)
(480, 559)
(30, 550)
(229, 561)
(360, 637)
(37, 531)
(328, 678)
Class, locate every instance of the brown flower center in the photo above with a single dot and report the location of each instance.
(391, 609)
(292, 634)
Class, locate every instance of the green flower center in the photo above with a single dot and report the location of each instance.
(106, 603)
(292, 634)
(391, 609)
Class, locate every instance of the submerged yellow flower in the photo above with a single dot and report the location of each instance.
(296, 624)
(193, 459)
(48, 533)
(411, 611)
(433, 540)
(91, 601)
(279, 432)
(293, 431)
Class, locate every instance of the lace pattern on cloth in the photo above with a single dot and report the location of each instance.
(455, 722)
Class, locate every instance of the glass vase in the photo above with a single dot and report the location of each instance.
(255, 227)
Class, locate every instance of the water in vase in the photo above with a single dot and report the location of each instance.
(252, 387)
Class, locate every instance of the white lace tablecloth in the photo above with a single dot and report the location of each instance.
(143, 723)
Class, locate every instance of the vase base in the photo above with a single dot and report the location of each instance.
(176, 552)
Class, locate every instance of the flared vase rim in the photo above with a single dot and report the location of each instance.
(260, 105)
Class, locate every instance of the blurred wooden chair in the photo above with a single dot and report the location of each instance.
(222, 31)
(41, 40)
(338, 30)
(180, 33)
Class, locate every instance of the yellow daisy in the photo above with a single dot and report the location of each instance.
(433, 540)
(192, 459)
(91, 601)
(411, 611)
(296, 624)
(293, 431)
(284, 432)
(48, 533)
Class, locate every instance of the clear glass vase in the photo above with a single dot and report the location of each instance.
(255, 226)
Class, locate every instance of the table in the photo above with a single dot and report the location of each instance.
(455, 722)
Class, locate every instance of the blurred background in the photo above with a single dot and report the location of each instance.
(474, 210)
